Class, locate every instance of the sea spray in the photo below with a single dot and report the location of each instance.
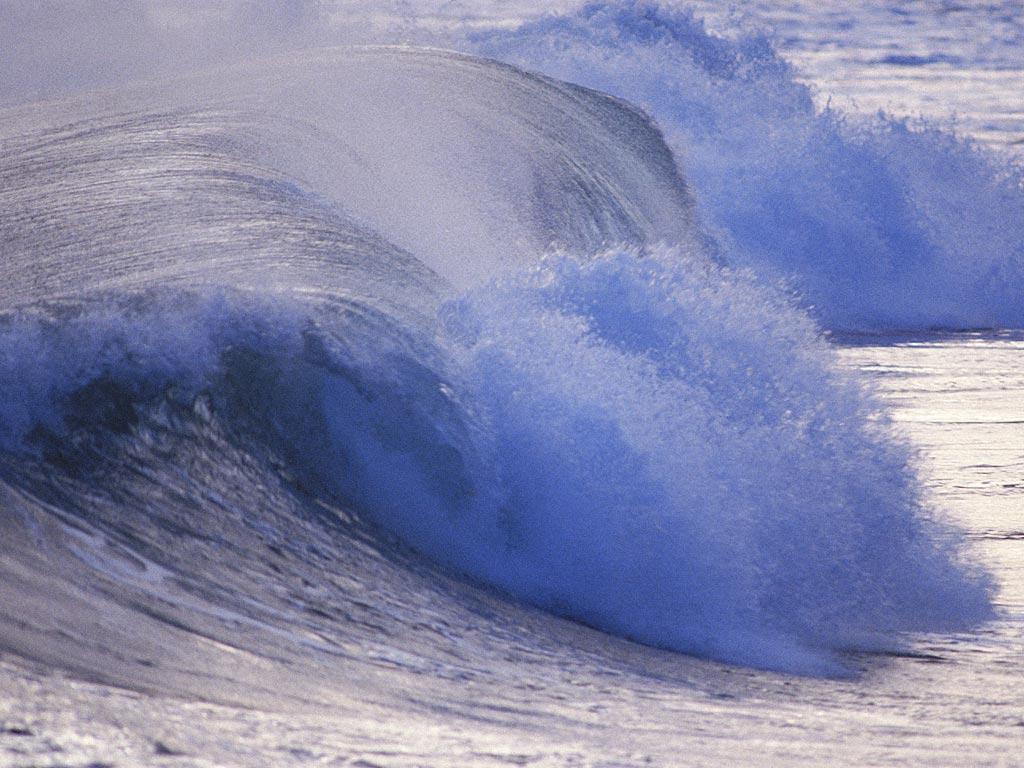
(878, 222)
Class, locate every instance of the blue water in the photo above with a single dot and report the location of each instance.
(371, 379)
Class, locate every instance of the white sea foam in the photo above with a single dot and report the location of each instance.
(877, 222)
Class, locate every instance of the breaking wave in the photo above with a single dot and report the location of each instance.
(495, 336)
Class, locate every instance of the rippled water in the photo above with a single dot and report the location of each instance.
(956, 62)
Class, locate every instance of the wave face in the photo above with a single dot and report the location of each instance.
(306, 305)
(403, 141)
(878, 223)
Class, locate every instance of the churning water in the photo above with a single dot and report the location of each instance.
(578, 389)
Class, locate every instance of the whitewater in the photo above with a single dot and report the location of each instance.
(472, 386)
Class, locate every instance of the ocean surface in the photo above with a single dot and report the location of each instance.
(631, 384)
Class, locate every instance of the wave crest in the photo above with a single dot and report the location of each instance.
(680, 461)
(877, 222)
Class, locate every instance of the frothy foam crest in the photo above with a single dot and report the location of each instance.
(665, 450)
(878, 222)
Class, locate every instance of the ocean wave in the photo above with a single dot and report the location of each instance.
(429, 292)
